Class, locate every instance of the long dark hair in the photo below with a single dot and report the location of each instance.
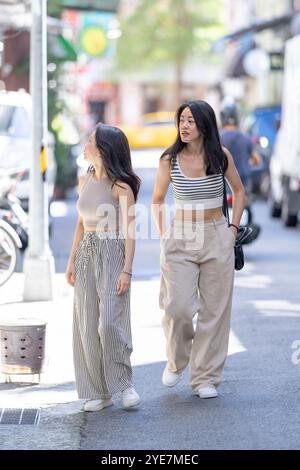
(115, 153)
(205, 119)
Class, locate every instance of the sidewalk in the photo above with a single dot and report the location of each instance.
(146, 321)
(61, 416)
(56, 392)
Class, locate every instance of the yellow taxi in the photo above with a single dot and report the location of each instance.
(157, 130)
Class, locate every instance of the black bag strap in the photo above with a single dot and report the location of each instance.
(225, 203)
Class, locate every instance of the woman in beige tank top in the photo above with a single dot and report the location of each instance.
(100, 269)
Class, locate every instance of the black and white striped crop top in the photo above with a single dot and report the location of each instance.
(205, 192)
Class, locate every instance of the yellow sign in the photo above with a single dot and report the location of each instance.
(93, 40)
(43, 160)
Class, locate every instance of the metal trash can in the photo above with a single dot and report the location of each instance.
(22, 346)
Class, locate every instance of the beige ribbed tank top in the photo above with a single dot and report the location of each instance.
(97, 206)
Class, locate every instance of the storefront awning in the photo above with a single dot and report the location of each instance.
(253, 28)
(243, 41)
(235, 67)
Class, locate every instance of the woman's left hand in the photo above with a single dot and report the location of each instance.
(123, 284)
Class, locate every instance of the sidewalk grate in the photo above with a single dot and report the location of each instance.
(29, 416)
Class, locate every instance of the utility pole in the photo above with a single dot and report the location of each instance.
(38, 261)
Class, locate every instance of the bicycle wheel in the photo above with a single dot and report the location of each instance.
(8, 256)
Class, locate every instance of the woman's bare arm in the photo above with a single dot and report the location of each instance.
(78, 235)
(238, 190)
(127, 206)
(161, 185)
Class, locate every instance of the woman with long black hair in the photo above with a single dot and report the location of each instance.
(100, 269)
(197, 252)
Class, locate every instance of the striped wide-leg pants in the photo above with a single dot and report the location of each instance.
(102, 342)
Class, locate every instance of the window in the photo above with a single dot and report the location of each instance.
(14, 121)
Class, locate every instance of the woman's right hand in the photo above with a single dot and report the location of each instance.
(70, 273)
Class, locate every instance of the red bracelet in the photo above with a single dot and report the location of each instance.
(235, 226)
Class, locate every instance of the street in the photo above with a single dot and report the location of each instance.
(91, 83)
(258, 406)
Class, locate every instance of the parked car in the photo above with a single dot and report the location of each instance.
(261, 124)
(156, 130)
(15, 141)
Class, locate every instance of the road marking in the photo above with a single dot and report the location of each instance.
(235, 345)
(253, 282)
(277, 308)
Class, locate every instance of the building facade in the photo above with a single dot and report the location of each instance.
(264, 26)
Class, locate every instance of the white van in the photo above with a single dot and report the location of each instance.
(285, 161)
(15, 141)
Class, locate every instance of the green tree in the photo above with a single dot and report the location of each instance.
(168, 31)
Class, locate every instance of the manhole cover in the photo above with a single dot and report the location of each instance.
(29, 416)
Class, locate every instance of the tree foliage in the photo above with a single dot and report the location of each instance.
(160, 31)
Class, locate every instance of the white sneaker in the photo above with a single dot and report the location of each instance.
(169, 379)
(207, 391)
(130, 398)
(97, 405)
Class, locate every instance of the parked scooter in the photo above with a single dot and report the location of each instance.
(11, 210)
(13, 225)
(10, 244)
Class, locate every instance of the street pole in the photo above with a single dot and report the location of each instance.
(38, 260)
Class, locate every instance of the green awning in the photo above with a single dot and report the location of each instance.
(62, 48)
(68, 47)
(92, 5)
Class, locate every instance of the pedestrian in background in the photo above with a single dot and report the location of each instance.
(100, 269)
(238, 143)
(197, 273)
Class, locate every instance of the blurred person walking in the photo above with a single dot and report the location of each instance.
(238, 143)
(197, 267)
(100, 269)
